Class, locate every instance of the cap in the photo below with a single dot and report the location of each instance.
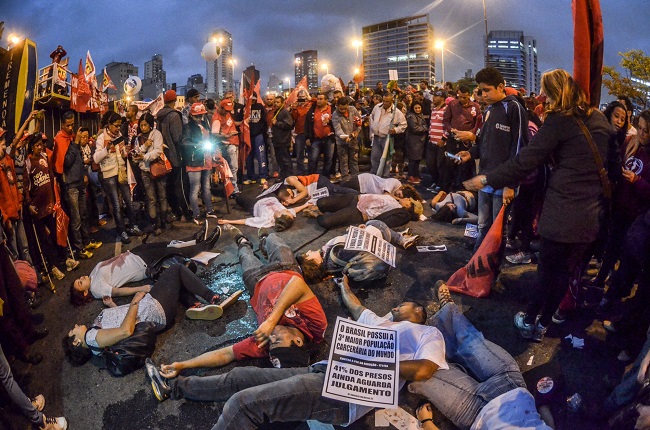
(192, 92)
(289, 356)
(439, 93)
(227, 104)
(197, 109)
(170, 96)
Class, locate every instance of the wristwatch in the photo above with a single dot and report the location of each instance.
(484, 181)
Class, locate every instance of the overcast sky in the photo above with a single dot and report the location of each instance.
(268, 32)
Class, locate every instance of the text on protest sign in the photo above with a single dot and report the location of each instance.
(358, 239)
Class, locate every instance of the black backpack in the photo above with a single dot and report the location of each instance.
(156, 269)
(129, 354)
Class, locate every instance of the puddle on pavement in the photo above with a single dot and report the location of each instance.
(224, 280)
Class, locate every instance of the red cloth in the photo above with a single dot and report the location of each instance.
(322, 122)
(226, 126)
(307, 316)
(62, 141)
(475, 279)
(308, 179)
(299, 115)
(302, 85)
(10, 199)
(588, 47)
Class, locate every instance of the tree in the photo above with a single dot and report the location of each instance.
(468, 82)
(635, 82)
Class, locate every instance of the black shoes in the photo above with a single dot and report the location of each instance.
(159, 384)
(214, 236)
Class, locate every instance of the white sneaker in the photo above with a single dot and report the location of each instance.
(519, 258)
(71, 264)
(409, 241)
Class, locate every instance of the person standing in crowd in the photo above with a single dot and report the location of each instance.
(224, 128)
(192, 96)
(434, 151)
(385, 120)
(347, 125)
(299, 114)
(281, 126)
(629, 107)
(502, 135)
(416, 133)
(149, 148)
(269, 106)
(574, 206)
(258, 152)
(129, 127)
(170, 125)
(319, 135)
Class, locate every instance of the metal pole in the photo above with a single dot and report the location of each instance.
(442, 54)
(486, 33)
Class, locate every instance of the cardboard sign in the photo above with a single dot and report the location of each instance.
(358, 239)
(319, 194)
(392, 75)
(363, 365)
(471, 230)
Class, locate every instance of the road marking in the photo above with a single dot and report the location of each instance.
(118, 247)
(397, 417)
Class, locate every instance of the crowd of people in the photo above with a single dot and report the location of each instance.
(574, 181)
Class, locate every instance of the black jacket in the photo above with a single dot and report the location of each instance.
(73, 166)
(258, 120)
(170, 125)
(192, 146)
(574, 206)
(282, 129)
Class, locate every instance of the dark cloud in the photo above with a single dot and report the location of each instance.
(268, 33)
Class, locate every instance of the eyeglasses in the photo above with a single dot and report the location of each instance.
(116, 125)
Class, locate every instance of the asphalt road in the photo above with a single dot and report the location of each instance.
(92, 400)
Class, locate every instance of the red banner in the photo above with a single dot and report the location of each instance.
(80, 93)
(293, 97)
(588, 48)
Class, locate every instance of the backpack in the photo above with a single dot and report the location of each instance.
(156, 269)
(128, 355)
(362, 267)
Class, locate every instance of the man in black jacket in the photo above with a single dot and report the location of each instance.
(258, 129)
(281, 126)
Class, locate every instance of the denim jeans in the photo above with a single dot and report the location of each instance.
(479, 370)
(110, 186)
(17, 241)
(489, 205)
(348, 154)
(387, 233)
(253, 394)
(200, 181)
(16, 394)
(280, 257)
(300, 153)
(231, 155)
(76, 200)
(258, 152)
(156, 192)
(378, 144)
(326, 146)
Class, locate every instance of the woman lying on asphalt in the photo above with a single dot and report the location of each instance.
(158, 306)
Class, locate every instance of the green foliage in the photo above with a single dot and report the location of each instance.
(635, 65)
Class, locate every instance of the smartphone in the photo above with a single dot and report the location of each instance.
(452, 156)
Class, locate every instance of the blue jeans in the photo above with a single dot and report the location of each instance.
(17, 241)
(200, 181)
(258, 152)
(300, 153)
(76, 200)
(156, 191)
(489, 206)
(378, 144)
(479, 370)
(16, 394)
(253, 394)
(280, 257)
(231, 155)
(348, 153)
(326, 146)
(387, 233)
(110, 186)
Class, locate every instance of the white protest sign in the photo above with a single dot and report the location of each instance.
(358, 239)
(471, 230)
(319, 194)
(363, 365)
(273, 188)
(392, 74)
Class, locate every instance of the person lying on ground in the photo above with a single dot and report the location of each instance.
(367, 183)
(483, 387)
(268, 212)
(300, 189)
(348, 209)
(116, 323)
(333, 259)
(255, 395)
(108, 277)
(289, 315)
(454, 207)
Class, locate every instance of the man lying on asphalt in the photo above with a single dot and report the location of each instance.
(288, 313)
(253, 395)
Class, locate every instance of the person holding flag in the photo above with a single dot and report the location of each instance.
(257, 126)
(225, 129)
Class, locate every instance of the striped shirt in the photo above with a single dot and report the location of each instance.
(436, 130)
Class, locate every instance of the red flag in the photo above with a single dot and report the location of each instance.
(62, 219)
(80, 91)
(107, 82)
(221, 166)
(89, 71)
(588, 48)
(293, 97)
(475, 279)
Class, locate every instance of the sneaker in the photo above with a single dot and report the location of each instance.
(443, 294)
(539, 333)
(510, 244)
(204, 312)
(235, 233)
(214, 236)
(409, 241)
(609, 326)
(38, 402)
(134, 231)
(197, 220)
(247, 182)
(85, 254)
(212, 214)
(124, 237)
(159, 384)
(262, 233)
(405, 232)
(94, 244)
(519, 258)
(61, 422)
(432, 187)
(414, 180)
(71, 264)
(263, 181)
(559, 317)
(57, 274)
(527, 331)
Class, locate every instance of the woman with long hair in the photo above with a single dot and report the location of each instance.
(416, 132)
(575, 202)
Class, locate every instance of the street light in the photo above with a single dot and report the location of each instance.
(288, 79)
(440, 44)
(357, 44)
(325, 67)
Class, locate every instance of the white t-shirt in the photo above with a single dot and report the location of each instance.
(373, 184)
(373, 205)
(416, 342)
(149, 310)
(263, 212)
(512, 410)
(116, 272)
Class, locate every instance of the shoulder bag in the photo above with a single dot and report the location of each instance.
(602, 173)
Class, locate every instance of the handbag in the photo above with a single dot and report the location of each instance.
(602, 172)
(128, 355)
(122, 177)
(160, 167)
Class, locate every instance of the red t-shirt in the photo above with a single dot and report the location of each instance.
(307, 316)
(40, 186)
(225, 125)
(299, 115)
(322, 122)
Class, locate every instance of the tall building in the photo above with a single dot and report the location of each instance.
(153, 69)
(219, 73)
(251, 74)
(119, 72)
(405, 45)
(306, 63)
(275, 85)
(515, 56)
(196, 81)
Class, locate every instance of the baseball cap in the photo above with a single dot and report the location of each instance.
(439, 93)
(227, 104)
(289, 356)
(170, 95)
(197, 109)
(192, 92)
